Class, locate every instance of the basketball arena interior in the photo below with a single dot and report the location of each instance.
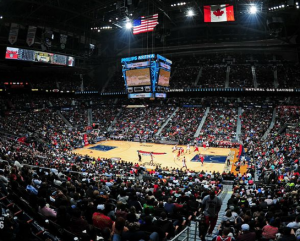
(153, 120)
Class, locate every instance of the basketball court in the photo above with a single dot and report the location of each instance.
(214, 158)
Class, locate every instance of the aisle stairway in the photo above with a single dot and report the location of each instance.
(90, 116)
(194, 232)
(254, 76)
(167, 121)
(271, 125)
(227, 77)
(239, 125)
(197, 133)
(198, 77)
(63, 118)
(225, 196)
(115, 120)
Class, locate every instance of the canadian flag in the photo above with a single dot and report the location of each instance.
(218, 13)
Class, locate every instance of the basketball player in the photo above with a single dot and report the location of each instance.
(204, 145)
(151, 161)
(228, 161)
(188, 149)
(202, 159)
(207, 145)
(184, 163)
(182, 150)
(140, 157)
(178, 154)
(196, 148)
(174, 148)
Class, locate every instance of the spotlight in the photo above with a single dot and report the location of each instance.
(190, 13)
(128, 25)
(253, 10)
(1, 17)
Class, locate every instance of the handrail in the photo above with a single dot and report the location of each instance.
(186, 228)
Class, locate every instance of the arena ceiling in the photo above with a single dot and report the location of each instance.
(103, 20)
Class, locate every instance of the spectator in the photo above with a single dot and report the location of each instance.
(100, 220)
(211, 206)
(269, 231)
(45, 210)
(246, 234)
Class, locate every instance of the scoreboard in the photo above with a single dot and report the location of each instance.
(38, 56)
(146, 76)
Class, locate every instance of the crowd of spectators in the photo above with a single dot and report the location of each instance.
(77, 117)
(287, 114)
(78, 196)
(116, 83)
(99, 198)
(185, 70)
(288, 75)
(104, 117)
(220, 124)
(183, 125)
(240, 76)
(255, 122)
(184, 77)
(213, 76)
(140, 123)
(265, 76)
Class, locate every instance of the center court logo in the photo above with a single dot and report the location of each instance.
(210, 159)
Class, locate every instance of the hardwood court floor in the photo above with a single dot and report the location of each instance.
(127, 151)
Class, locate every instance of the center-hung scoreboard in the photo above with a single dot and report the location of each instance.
(146, 76)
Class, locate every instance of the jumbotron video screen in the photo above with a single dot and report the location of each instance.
(138, 77)
(164, 78)
(38, 56)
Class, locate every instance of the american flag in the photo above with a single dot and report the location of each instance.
(145, 24)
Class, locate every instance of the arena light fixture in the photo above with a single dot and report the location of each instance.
(190, 13)
(128, 25)
(253, 9)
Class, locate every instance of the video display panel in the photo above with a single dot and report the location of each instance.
(164, 78)
(43, 57)
(12, 53)
(138, 77)
(38, 56)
